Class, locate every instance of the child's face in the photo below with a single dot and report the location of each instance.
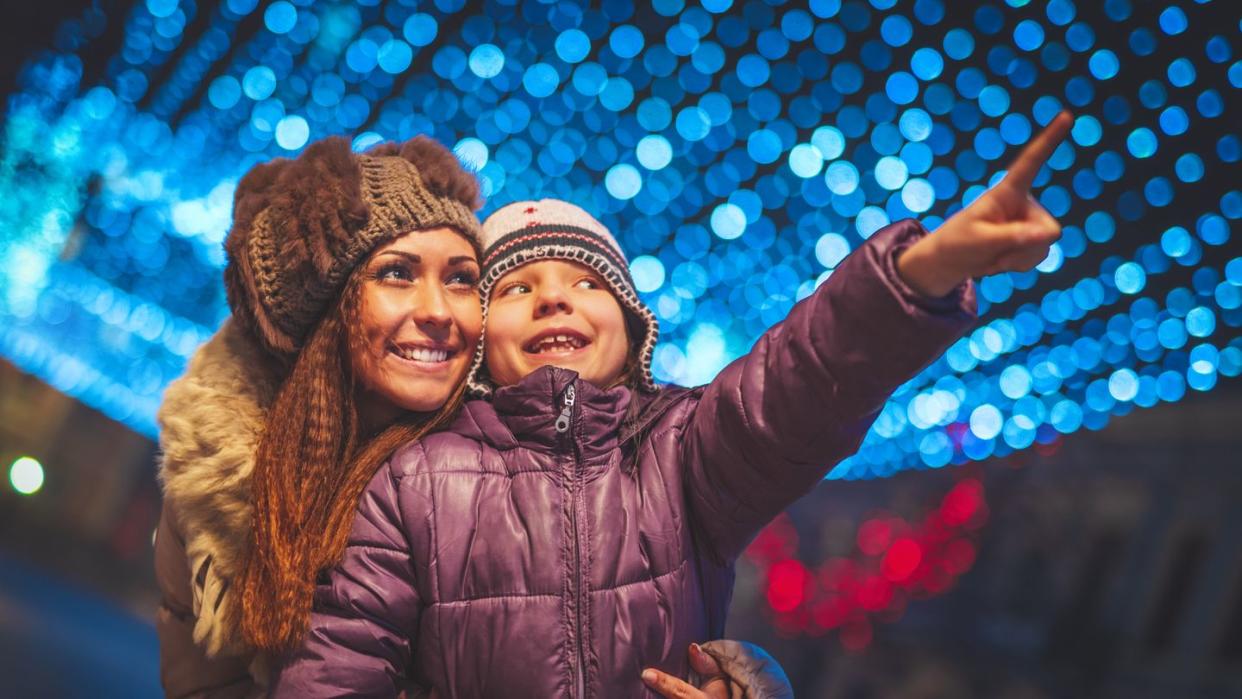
(559, 313)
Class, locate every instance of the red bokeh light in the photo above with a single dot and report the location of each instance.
(787, 582)
(895, 562)
(902, 559)
(962, 502)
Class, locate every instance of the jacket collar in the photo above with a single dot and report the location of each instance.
(525, 414)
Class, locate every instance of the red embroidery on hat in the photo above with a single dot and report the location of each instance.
(529, 210)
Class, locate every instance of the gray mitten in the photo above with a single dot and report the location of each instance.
(751, 672)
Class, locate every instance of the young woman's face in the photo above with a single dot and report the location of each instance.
(420, 322)
(559, 313)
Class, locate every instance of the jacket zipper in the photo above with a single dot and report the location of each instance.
(564, 425)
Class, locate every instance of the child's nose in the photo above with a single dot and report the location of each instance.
(553, 300)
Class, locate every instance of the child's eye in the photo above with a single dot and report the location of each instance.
(589, 283)
(515, 288)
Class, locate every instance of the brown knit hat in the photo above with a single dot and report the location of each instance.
(301, 226)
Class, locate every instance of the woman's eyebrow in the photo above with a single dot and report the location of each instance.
(417, 259)
(401, 253)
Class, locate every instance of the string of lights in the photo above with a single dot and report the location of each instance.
(740, 149)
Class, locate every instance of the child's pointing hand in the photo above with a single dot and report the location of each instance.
(1005, 229)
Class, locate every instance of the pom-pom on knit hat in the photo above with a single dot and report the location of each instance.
(301, 226)
(550, 229)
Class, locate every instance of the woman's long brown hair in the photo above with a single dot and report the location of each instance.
(309, 474)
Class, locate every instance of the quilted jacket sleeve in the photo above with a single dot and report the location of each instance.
(771, 424)
(365, 613)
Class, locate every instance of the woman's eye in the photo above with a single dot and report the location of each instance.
(393, 273)
(463, 279)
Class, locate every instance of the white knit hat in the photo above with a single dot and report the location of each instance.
(533, 231)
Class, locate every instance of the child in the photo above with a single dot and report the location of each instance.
(581, 526)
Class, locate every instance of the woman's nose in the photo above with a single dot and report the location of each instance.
(432, 308)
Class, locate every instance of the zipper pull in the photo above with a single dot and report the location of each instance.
(563, 420)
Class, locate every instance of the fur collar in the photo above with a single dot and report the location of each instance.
(210, 423)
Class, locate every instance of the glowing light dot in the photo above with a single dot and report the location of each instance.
(728, 221)
(292, 132)
(1130, 278)
(654, 152)
(420, 29)
(280, 17)
(985, 421)
(573, 45)
(830, 249)
(259, 83)
(161, 8)
(623, 181)
(648, 273)
(805, 160)
(1123, 385)
(394, 56)
(540, 80)
(1200, 322)
(26, 475)
(1015, 381)
(1104, 64)
(891, 172)
(1142, 143)
(841, 178)
(486, 61)
(830, 142)
(472, 152)
(918, 195)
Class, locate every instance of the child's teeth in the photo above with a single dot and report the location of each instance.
(558, 343)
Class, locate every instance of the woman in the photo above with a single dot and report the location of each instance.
(352, 284)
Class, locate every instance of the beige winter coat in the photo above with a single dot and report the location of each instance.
(210, 422)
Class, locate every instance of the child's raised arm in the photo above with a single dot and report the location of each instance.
(773, 422)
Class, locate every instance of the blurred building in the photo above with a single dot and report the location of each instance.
(1111, 567)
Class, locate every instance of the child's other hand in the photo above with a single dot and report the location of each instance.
(1005, 229)
(715, 683)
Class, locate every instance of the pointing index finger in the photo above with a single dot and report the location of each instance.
(1023, 169)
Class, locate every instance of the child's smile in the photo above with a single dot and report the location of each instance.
(557, 342)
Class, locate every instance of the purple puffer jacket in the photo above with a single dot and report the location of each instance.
(539, 548)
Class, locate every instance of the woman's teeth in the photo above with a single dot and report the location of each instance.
(422, 354)
(558, 343)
